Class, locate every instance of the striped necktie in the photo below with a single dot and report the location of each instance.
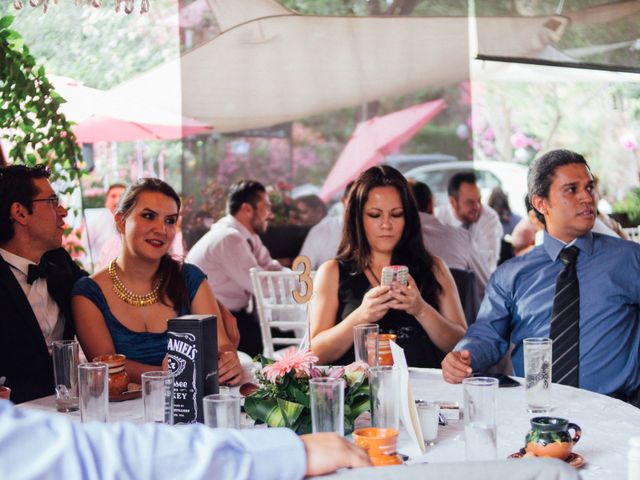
(565, 322)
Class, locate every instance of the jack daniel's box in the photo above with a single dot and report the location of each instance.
(193, 357)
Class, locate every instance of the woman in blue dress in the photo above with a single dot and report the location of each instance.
(382, 228)
(124, 308)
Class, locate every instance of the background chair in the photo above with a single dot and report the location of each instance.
(468, 292)
(277, 309)
(633, 233)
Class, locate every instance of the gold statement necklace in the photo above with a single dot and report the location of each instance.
(127, 295)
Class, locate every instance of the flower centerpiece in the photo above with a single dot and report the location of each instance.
(282, 399)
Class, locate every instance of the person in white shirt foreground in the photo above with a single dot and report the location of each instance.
(95, 451)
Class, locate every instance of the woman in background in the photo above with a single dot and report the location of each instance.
(124, 308)
(382, 228)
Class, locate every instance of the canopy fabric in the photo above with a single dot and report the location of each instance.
(375, 138)
(270, 65)
(106, 116)
(486, 70)
(614, 49)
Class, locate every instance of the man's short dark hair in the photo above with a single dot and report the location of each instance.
(458, 179)
(421, 193)
(312, 201)
(244, 191)
(542, 170)
(16, 185)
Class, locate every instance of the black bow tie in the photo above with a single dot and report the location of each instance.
(37, 271)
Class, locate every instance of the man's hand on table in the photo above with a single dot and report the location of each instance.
(456, 366)
(326, 452)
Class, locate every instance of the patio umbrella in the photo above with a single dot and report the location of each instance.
(115, 117)
(375, 138)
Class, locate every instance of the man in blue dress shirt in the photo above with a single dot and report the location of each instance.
(518, 300)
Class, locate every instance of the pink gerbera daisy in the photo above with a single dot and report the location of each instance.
(299, 360)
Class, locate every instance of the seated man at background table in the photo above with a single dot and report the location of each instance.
(579, 288)
(453, 244)
(230, 249)
(322, 240)
(465, 210)
(123, 450)
(36, 277)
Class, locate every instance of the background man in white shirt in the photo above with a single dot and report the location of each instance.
(322, 240)
(466, 210)
(101, 228)
(453, 244)
(230, 248)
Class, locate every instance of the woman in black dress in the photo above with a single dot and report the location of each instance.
(381, 228)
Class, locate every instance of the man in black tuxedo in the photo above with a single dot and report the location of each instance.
(36, 276)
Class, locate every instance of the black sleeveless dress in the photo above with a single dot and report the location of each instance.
(419, 350)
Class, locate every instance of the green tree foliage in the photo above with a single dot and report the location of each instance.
(98, 46)
(29, 111)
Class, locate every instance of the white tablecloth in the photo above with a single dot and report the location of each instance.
(607, 424)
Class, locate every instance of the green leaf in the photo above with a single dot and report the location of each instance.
(260, 408)
(360, 407)
(6, 21)
(290, 411)
(301, 398)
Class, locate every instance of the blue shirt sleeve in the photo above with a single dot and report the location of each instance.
(95, 451)
(488, 338)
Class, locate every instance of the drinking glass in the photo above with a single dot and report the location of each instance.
(365, 343)
(327, 405)
(221, 410)
(385, 356)
(93, 379)
(65, 355)
(480, 407)
(157, 396)
(537, 371)
(384, 387)
(429, 416)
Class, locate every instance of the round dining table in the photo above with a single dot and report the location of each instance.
(607, 424)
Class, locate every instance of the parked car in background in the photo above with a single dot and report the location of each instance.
(404, 163)
(511, 177)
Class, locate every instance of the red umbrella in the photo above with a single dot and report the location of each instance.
(113, 117)
(375, 138)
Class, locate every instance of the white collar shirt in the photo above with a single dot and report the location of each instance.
(225, 256)
(44, 307)
(456, 248)
(486, 232)
(322, 240)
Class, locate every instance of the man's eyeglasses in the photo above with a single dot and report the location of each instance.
(53, 200)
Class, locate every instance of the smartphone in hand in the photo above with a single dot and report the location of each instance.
(395, 274)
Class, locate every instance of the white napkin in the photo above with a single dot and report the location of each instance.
(408, 411)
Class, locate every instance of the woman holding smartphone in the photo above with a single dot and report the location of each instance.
(382, 228)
